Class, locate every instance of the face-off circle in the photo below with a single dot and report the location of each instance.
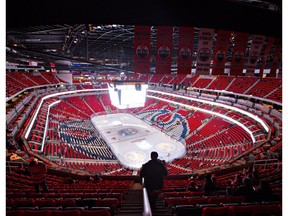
(135, 156)
(165, 147)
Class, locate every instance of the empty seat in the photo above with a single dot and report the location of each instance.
(213, 211)
(23, 203)
(66, 203)
(217, 200)
(14, 213)
(241, 210)
(45, 203)
(267, 210)
(186, 210)
(96, 212)
(75, 208)
(177, 201)
(50, 208)
(90, 202)
(74, 212)
(235, 199)
(36, 213)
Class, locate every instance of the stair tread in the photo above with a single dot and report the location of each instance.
(132, 205)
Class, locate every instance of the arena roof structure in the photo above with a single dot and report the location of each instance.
(102, 34)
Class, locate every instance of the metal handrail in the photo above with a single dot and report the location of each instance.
(146, 205)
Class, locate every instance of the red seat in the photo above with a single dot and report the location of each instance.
(14, 213)
(45, 203)
(110, 202)
(173, 201)
(241, 210)
(113, 203)
(23, 203)
(209, 211)
(197, 193)
(217, 200)
(235, 199)
(36, 213)
(264, 210)
(195, 201)
(66, 203)
(96, 212)
(65, 213)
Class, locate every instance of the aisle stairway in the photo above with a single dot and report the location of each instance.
(133, 204)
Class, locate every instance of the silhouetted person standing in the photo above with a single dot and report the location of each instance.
(153, 173)
(265, 192)
(37, 171)
(208, 185)
(246, 190)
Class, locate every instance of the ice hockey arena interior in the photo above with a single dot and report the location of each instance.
(91, 91)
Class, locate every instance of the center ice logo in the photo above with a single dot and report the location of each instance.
(127, 132)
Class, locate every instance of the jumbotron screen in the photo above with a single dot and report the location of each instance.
(125, 95)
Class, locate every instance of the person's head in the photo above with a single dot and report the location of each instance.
(33, 163)
(229, 182)
(192, 184)
(264, 184)
(87, 178)
(247, 182)
(96, 177)
(154, 155)
(238, 177)
(208, 177)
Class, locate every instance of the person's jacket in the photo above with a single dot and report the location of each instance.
(153, 173)
(37, 172)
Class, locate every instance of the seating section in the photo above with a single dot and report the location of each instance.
(221, 82)
(94, 103)
(202, 82)
(156, 78)
(85, 197)
(241, 84)
(17, 81)
(264, 86)
(167, 79)
(179, 79)
(210, 141)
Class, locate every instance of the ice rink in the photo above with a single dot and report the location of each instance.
(132, 140)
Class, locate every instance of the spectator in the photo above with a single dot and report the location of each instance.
(153, 173)
(208, 185)
(214, 180)
(37, 170)
(237, 181)
(69, 180)
(256, 177)
(26, 171)
(265, 192)
(87, 178)
(246, 190)
(192, 186)
(97, 178)
(229, 189)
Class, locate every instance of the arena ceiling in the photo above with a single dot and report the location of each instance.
(102, 35)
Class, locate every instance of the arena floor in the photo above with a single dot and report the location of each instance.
(132, 140)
